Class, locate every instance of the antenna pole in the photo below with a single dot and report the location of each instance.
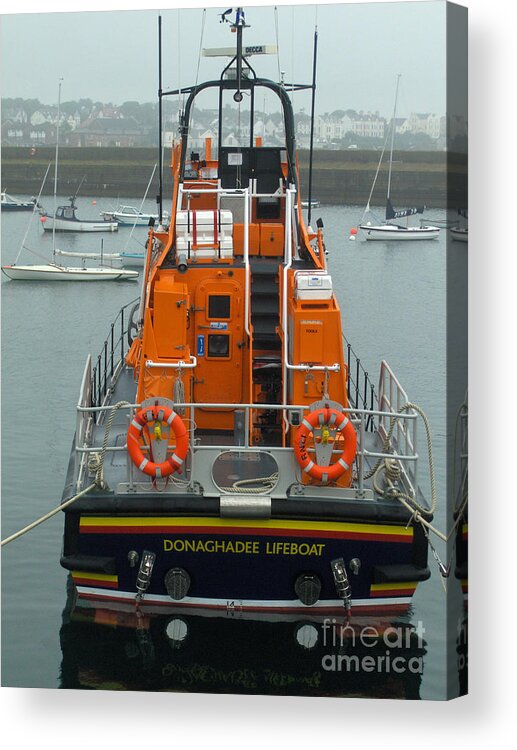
(314, 61)
(160, 156)
(55, 172)
(239, 23)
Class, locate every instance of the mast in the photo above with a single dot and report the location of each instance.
(160, 155)
(55, 172)
(393, 134)
(239, 24)
(315, 54)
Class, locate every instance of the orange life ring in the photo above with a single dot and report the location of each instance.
(157, 413)
(338, 421)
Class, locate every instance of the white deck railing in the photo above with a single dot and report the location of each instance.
(403, 444)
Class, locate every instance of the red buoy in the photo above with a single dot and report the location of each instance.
(43, 219)
(353, 230)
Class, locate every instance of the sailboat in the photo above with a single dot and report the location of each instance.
(52, 271)
(388, 230)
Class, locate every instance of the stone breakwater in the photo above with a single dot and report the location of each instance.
(432, 178)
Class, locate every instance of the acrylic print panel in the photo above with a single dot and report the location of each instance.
(271, 430)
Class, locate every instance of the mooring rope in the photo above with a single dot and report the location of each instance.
(96, 464)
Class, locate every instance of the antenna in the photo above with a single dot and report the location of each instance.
(160, 156)
(238, 26)
(73, 197)
(314, 60)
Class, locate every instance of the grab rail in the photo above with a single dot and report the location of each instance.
(111, 357)
(359, 417)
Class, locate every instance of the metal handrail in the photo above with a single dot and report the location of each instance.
(111, 358)
(358, 417)
(358, 393)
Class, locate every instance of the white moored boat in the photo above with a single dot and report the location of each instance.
(65, 220)
(393, 232)
(125, 258)
(385, 230)
(131, 216)
(8, 203)
(54, 272)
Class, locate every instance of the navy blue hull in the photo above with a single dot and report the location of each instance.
(254, 563)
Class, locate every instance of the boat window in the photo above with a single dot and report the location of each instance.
(218, 345)
(268, 121)
(219, 306)
(203, 124)
(232, 467)
(236, 120)
(68, 213)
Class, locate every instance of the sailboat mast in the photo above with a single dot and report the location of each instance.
(393, 133)
(55, 172)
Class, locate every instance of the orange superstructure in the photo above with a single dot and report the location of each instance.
(213, 317)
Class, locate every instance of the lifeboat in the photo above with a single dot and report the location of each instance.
(242, 448)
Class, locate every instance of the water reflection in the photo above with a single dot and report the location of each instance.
(179, 651)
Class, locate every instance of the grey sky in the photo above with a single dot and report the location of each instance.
(112, 56)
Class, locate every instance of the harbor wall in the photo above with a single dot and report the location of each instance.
(339, 177)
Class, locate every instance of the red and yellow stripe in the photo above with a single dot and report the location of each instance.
(87, 578)
(271, 527)
(397, 588)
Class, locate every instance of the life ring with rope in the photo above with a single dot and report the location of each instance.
(325, 418)
(157, 414)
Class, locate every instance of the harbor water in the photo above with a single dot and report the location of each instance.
(393, 303)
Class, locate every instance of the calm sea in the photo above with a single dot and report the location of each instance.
(392, 298)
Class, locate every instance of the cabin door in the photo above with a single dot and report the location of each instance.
(219, 345)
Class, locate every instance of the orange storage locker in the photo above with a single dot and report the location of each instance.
(238, 239)
(271, 239)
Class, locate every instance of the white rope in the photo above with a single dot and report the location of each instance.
(96, 464)
(240, 485)
(46, 516)
(34, 211)
(367, 209)
(392, 473)
(140, 209)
